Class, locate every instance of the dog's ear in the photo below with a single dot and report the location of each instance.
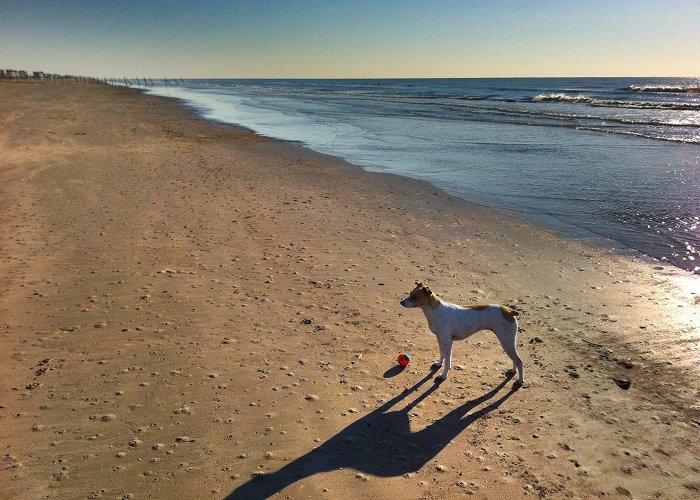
(434, 302)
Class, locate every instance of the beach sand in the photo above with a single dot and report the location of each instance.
(188, 310)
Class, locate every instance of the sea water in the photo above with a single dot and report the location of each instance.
(610, 158)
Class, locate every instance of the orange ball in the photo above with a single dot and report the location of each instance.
(403, 359)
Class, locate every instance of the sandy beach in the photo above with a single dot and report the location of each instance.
(188, 310)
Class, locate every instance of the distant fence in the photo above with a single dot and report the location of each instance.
(63, 79)
(39, 77)
(146, 81)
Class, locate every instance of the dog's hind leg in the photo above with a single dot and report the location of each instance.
(508, 344)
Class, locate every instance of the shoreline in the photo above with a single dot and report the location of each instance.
(181, 292)
(595, 228)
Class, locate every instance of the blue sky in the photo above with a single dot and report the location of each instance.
(391, 38)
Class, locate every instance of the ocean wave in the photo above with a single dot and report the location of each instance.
(645, 134)
(665, 135)
(675, 106)
(662, 130)
(674, 89)
(593, 117)
(616, 103)
(561, 98)
(423, 98)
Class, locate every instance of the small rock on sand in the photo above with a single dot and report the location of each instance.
(623, 384)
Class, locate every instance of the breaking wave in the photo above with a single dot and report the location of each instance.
(674, 89)
(616, 103)
(561, 98)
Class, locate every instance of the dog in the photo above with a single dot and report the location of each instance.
(450, 322)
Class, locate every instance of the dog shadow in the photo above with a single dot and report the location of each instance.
(380, 443)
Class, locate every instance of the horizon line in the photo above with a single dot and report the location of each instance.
(390, 77)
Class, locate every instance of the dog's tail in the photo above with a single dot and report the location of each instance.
(509, 313)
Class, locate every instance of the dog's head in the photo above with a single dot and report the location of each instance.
(421, 296)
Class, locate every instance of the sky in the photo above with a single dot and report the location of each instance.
(351, 39)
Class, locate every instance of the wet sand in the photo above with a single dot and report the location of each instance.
(190, 310)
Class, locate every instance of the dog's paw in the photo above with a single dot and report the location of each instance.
(441, 378)
(519, 384)
(510, 372)
(435, 365)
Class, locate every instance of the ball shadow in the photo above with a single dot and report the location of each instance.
(394, 371)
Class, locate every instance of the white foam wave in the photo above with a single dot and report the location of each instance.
(616, 103)
(676, 89)
(559, 97)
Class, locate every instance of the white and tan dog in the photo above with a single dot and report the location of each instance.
(450, 322)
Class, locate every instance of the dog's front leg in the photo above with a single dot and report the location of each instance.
(447, 353)
(437, 364)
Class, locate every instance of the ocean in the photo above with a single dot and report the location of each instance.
(615, 160)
